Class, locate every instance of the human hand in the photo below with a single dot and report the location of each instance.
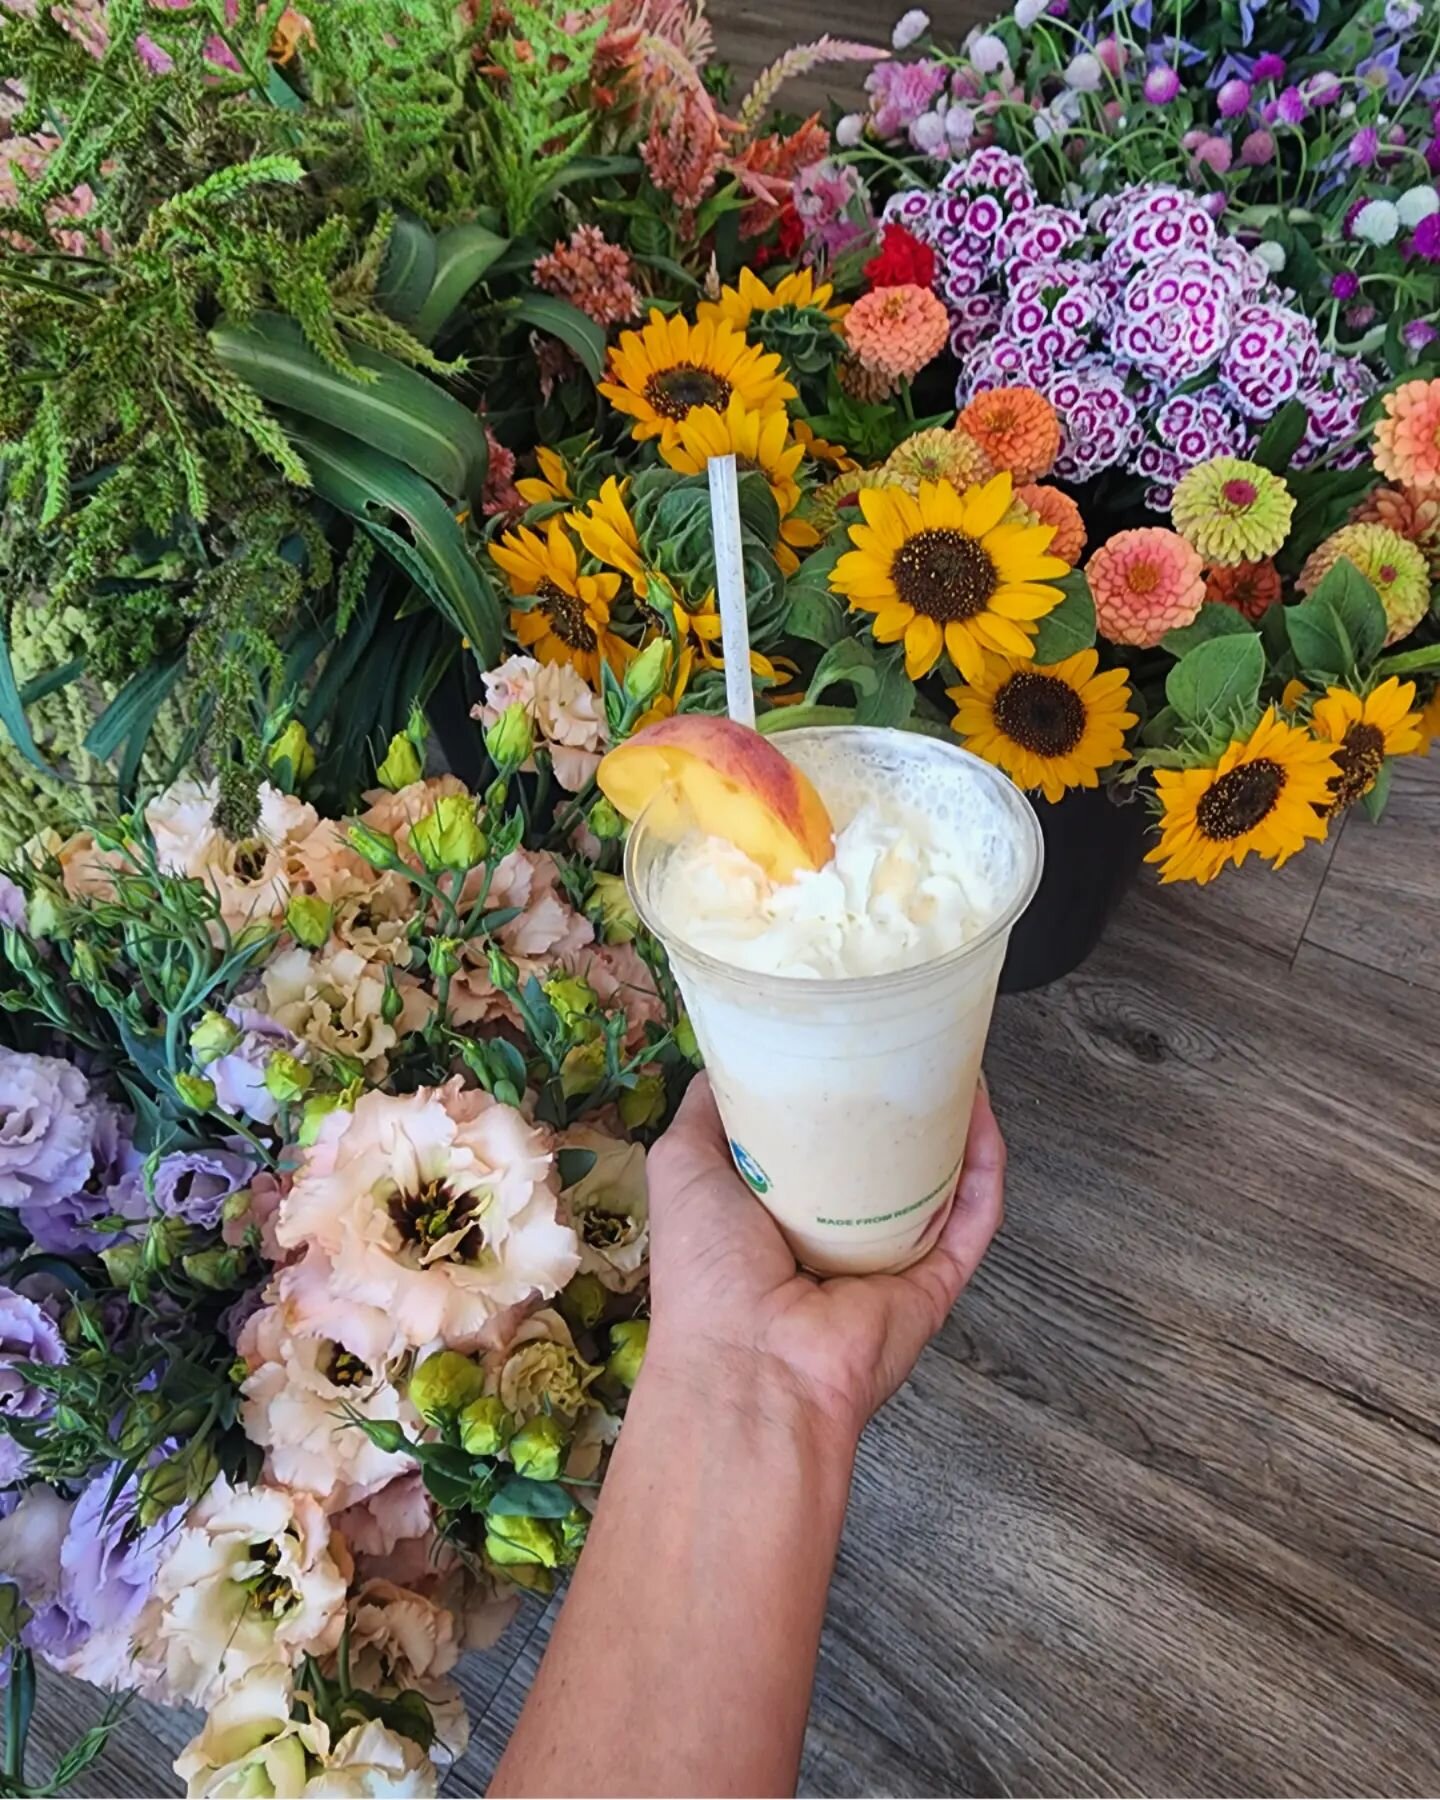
(725, 1288)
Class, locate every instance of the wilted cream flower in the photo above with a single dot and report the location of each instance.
(439, 1208)
(252, 1577)
(608, 1208)
(333, 1000)
(294, 1406)
(251, 1745)
(540, 1369)
(372, 1760)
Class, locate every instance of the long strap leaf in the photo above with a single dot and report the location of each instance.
(462, 256)
(578, 332)
(12, 710)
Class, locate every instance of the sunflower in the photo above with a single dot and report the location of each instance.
(1266, 793)
(1363, 730)
(821, 449)
(1429, 723)
(738, 305)
(661, 374)
(608, 532)
(755, 443)
(569, 621)
(552, 483)
(940, 572)
(1050, 727)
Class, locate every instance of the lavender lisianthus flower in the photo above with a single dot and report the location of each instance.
(27, 1335)
(12, 904)
(107, 1572)
(46, 1128)
(239, 1075)
(66, 1223)
(30, 1540)
(192, 1185)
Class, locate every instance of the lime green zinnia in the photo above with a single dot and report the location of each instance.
(1232, 511)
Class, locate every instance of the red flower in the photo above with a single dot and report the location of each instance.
(903, 261)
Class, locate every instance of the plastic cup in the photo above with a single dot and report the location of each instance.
(847, 1102)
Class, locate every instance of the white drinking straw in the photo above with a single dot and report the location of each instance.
(730, 582)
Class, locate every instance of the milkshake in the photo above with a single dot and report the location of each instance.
(842, 1009)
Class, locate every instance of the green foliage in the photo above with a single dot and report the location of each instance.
(1071, 626)
(1216, 685)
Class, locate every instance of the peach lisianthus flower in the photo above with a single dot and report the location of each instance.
(1017, 428)
(252, 1577)
(1145, 582)
(252, 1741)
(895, 331)
(562, 707)
(546, 933)
(250, 876)
(371, 1760)
(608, 1206)
(253, 1210)
(621, 979)
(540, 1370)
(439, 1208)
(295, 1403)
(332, 999)
(1407, 439)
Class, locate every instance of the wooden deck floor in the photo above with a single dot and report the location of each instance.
(1158, 1512)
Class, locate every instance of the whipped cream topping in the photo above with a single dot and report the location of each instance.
(896, 894)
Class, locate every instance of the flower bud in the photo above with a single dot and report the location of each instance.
(444, 1384)
(392, 1001)
(377, 847)
(287, 1078)
(685, 1040)
(317, 1109)
(162, 1487)
(162, 1242)
(402, 764)
(573, 999)
(504, 976)
(123, 1263)
(485, 1426)
(197, 1091)
(583, 1069)
(217, 1268)
(291, 759)
(448, 836)
(513, 1540)
(309, 920)
(497, 794)
(574, 1529)
(610, 907)
(538, 1448)
(643, 1104)
(511, 739)
(605, 822)
(444, 957)
(211, 1037)
(627, 1350)
(646, 675)
(582, 1301)
(43, 917)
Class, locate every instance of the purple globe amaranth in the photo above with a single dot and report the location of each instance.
(1364, 147)
(1425, 241)
(1344, 285)
(27, 1335)
(1233, 98)
(1162, 85)
(1269, 67)
(1418, 334)
(46, 1126)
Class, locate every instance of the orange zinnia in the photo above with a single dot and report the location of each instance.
(1018, 429)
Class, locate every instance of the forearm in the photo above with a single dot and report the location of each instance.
(683, 1657)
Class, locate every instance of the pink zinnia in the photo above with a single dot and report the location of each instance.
(1145, 583)
(1407, 439)
(895, 331)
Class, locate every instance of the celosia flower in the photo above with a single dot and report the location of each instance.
(1232, 511)
(895, 331)
(253, 1577)
(592, 274)
(1145, 583)
(1414, 515)
(1017, 428)
(1251, 588)
(564, 710)
(1392, 565)
(1407, 439)
(438, 1207)
(1053, 506)
(608, 1208)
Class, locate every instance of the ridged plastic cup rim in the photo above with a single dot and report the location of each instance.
(917, 974)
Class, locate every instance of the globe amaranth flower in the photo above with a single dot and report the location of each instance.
(1233, 98)
(1268, 67)
(1144, 583)
(1377, 222)
(1290, 107)
(900, 91)
(47, 1120)
(1417, 203)
(1407, 450)
(1418, 334)
(1393, 566)
(27, 1335)
(1257, 149)
(908, 27)
(1344, 284)
(988, 54)
(895, 331)
(1232, 511)
(1162, 84)
(1425, 242)
(438, 1208)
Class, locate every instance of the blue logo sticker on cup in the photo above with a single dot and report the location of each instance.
(749, 1168)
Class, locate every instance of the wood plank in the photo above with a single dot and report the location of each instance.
(1380, 903)
(491, 1730)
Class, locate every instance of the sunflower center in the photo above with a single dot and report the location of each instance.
(343, 1368)
(1238, 802)
(1240, 492)
(435, 1213)
(678, 390)
(943, 574)
(1041, 713)
(1359, 759)
(566, 615)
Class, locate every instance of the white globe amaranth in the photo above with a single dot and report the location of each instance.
(1417, 203)
(1377, 222)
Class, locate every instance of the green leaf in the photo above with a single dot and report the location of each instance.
(574, 1165)
(812, 610)
(520, 1498)
(52, 681)
(12, 710)
(1212, 621)
(1378, 796)
(892, 700)
(1318, 639)
(1071, 626)
(1356, 604)
(134, 708)
(375, 488)
(851, 662)
(408, 272)
(401, 413)
(462, 255)
(1160, 728)
(1410, 662)
(1217, 679)
(1281, 438)
(544, 312)
(445, 1489)
(595, 168)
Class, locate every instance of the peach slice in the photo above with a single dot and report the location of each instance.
(728, 782)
